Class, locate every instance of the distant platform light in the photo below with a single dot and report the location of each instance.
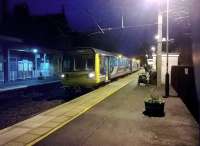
(119, 56)
(157, 37)
(164, 39)
(133, 59)
(35, 50)
(153, 49)
(138, 61)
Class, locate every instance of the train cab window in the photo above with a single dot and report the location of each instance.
(78, 63)
(90, 63)
(84, 63)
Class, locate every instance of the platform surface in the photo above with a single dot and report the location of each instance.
(26, 83)
(119, 121)
(32, 130)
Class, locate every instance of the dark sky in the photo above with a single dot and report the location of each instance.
(107, 13)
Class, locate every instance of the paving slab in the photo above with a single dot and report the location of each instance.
(14, 144)
(11, 134)
(119, 120)
(26, 138)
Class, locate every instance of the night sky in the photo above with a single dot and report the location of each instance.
(81, 15)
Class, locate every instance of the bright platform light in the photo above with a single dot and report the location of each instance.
(164, 39)
(153, 49)
(157, 37)
(119, 56)
(35, 50)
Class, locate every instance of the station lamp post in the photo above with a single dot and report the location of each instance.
(35, 51)
(159, 48)
(158, 37)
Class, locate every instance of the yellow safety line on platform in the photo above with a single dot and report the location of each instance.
(58, 127)
(74, 117)
(71, 110)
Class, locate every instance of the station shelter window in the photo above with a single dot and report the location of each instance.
(25, 68)
(46, 69)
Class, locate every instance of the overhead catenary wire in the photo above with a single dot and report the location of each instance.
(107, 29)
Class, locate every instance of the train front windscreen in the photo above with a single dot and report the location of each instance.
(73, 63)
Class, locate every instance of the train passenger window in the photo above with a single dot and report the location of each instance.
(113, 63)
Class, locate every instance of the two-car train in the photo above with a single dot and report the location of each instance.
(89, 67)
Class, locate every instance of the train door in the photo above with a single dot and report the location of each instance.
(104, 67)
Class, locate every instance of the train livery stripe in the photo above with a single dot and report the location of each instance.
(97, 68)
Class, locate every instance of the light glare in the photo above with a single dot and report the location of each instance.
(153, 49)
(62, 76)
(35, 50)
(91, 75)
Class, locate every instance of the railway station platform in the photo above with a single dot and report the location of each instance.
(110, 115)
(17, 85)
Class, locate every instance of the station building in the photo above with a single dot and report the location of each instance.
(19, 61)
(31, 46)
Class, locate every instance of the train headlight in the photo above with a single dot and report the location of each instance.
(91, 75)
(62, 75)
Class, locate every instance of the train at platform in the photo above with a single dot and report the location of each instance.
(90, 67)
